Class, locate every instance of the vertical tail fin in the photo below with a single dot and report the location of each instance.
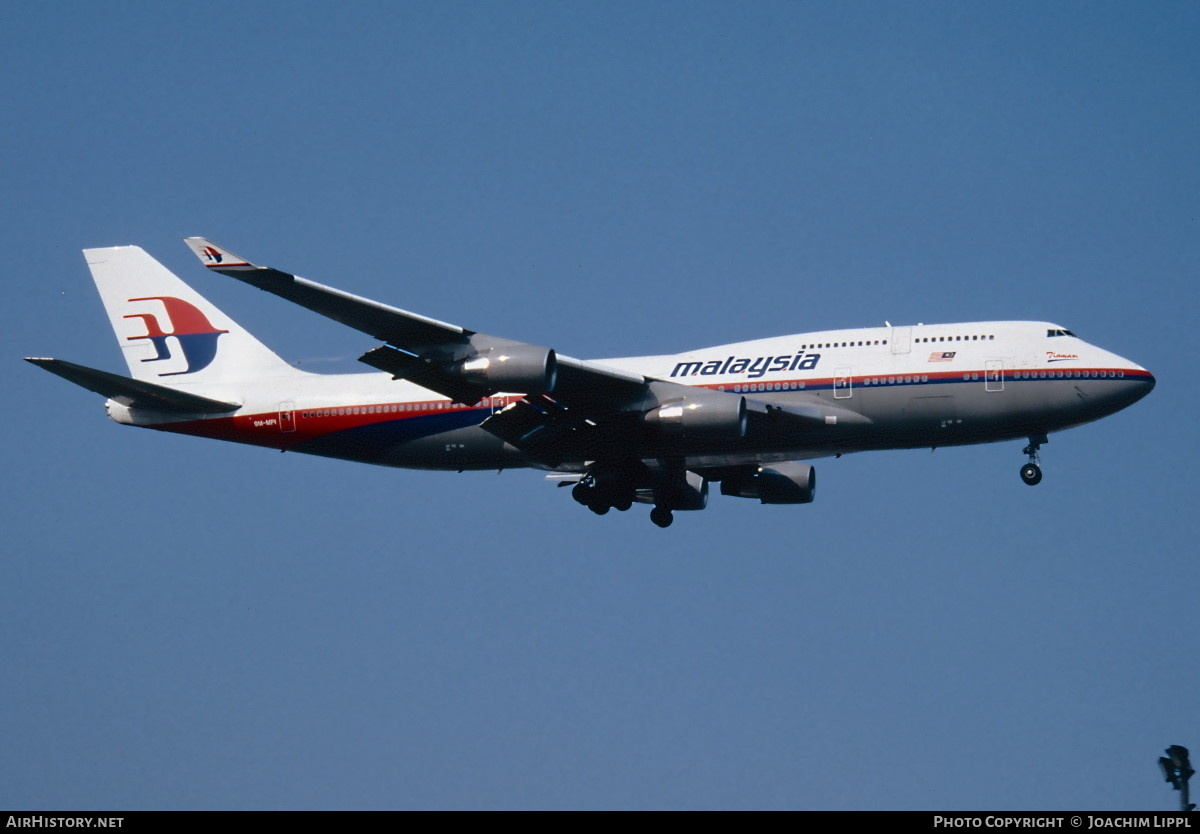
(168, 332)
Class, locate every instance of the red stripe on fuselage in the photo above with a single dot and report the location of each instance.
(267, 429)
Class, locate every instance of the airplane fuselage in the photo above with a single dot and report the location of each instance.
(916, 386)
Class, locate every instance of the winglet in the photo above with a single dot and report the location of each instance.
(214, 257)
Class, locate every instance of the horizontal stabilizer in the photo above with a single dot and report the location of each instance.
(133, 393)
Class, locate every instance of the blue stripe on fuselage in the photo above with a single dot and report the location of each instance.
(373, 441)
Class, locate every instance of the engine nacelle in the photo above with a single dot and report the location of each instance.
(522, 369)
(791, 482)
(703, 414)
(687, 493)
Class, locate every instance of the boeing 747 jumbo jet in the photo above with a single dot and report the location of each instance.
(650, 429)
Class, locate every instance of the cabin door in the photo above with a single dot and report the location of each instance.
(993, 375)
(287, 416)
(843, 388)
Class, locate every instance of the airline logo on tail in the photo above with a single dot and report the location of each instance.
(194, 333)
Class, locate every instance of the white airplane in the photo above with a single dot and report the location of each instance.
(648, 429)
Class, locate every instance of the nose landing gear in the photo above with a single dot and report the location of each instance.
(1031, 472)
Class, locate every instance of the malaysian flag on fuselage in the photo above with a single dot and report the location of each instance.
(942, 355)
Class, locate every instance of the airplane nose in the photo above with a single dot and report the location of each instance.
(1138, 382)
(1136, 371)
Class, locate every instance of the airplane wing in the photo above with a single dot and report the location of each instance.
(465, 365)
(385, 323)
(573, 409)
(133, 392)
(421, 348)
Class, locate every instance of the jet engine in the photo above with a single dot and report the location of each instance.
(791, 482)
(703, 414)
(527, 369)
(689, 492)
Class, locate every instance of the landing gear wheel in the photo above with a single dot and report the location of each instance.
(662, 516)
(599, 508)
(1031, 474)
(623, 504)
(581, 492)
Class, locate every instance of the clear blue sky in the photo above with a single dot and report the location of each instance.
(190, 624)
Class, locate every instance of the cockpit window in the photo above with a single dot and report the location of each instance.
(1059, 333)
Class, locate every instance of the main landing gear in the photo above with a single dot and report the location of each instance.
(600, 497)
(1031, 472)
(618, 488)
